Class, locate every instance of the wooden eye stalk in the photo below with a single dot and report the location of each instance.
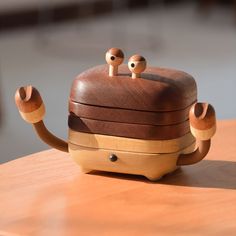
(137, 64)
(203, 126)
(114, 57)
(32, 110)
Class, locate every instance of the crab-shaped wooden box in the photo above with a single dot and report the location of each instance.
(132, 119)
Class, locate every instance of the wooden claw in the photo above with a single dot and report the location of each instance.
(202, 121)
(32, 110)
(28, 99)
(203, 126)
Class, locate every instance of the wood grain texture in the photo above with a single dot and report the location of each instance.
(130, 145)
(148, 132)
(152, 166)
(128, 116)
(158, 90)
(46, 194)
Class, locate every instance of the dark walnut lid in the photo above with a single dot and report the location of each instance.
(158, 89)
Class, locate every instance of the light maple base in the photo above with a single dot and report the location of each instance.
(100, 141)
(153, 166)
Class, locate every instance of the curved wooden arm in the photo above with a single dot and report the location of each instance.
(196, 156)
(49, 138)
(32, 110)
(203, 126)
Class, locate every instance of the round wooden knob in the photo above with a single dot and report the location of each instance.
(114, 57)
(137, 64)
(113, 158)
(202, 120)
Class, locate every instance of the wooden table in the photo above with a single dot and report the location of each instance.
(46, 194)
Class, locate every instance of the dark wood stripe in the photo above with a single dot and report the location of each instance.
(128, 116)
(148, 132)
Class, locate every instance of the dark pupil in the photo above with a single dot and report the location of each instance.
(112, 58)
(132, 65)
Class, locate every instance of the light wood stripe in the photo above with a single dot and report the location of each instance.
(34, 116)
(153, 166)
(129, 144)
(203, 134)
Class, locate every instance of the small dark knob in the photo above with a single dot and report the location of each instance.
(113, 157)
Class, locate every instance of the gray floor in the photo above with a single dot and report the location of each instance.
(50, 58)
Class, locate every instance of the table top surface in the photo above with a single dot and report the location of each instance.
(46, 194)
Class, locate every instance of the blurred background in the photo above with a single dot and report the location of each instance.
(47, 43)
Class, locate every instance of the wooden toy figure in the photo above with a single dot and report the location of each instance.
(138, 120)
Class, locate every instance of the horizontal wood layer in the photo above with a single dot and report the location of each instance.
(158, 89)
(128, 116)
(129, 144)
(153, 166)
(148, 132)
